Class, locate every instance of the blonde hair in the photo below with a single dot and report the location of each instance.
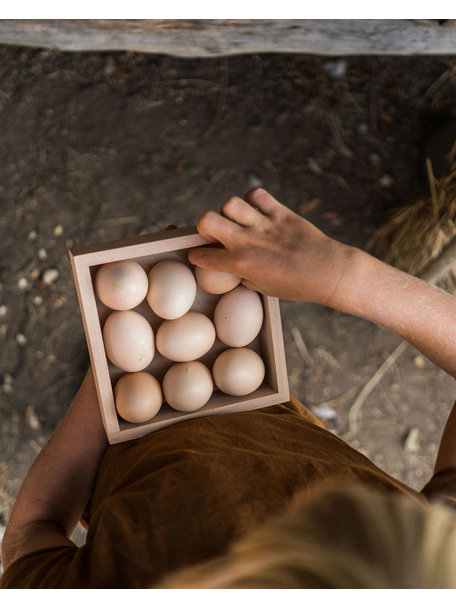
(351, 538)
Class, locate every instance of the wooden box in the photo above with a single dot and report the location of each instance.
(148, 250)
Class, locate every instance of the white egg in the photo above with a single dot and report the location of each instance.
(187, 386)
(238, 316)
(238, 371)
(121, 285)
(138, 396)
(187, 338)
(214, 281)
(129, 340)
(172, 289)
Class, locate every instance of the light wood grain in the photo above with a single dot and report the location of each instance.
(92, 328)
(216, 37)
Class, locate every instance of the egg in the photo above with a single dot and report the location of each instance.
(214, 281)
(187, 338)
(172, 289)
(121, 285)
(129, 340)
(138, 396)
(238, 316)
(238, 371)
(187, 386)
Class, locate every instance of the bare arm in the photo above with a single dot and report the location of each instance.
(279, 253)
(59, 484)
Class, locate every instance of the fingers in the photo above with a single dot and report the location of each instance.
(215, 227)
(249, 285)
(214, 258)
(241, 212)
(227, 226)
(263, 201)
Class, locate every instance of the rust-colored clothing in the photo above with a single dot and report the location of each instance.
(183, 494)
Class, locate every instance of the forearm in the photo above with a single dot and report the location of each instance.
(421, 313)
(60, 481)
(279, 253)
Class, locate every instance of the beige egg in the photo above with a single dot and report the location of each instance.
(238, 316)
(172, 289)
(187, 386)
(238, 371)
(213, 281)
(138, 396)
(129, 340)
(187, 338)
(121, 285)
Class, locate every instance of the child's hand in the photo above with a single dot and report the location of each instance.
(274, 250)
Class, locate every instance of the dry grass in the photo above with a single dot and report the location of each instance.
(418, 233)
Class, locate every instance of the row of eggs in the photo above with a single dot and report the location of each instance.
(170, 286)
(189, 385)
(183, 336)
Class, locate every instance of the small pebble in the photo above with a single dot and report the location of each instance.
(37, 300)
(325, 412)
(42, 254)
(254, 181)
(375, 159)
(31, 418)
(412, 440)
(336, 68)
(50, 276)
(419, 361)
(22, 283)
(32, 235)
(21, 339)
(58, 230)
(7, 385)
(3, 310)
(363, 128)
(386, 181)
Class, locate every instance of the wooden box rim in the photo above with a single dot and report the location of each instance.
(86, 256)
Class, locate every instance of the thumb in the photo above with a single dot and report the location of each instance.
(212, 258)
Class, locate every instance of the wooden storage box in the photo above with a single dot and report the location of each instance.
(148, 250)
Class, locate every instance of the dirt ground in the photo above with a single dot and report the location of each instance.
(99, 146)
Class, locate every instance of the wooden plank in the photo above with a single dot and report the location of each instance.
(92, 328)
(217, 37)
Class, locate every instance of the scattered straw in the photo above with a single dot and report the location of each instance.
(417, 234)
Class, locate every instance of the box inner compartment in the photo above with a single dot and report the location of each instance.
(204, 303)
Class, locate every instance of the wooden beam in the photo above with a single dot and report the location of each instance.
(216, 37)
